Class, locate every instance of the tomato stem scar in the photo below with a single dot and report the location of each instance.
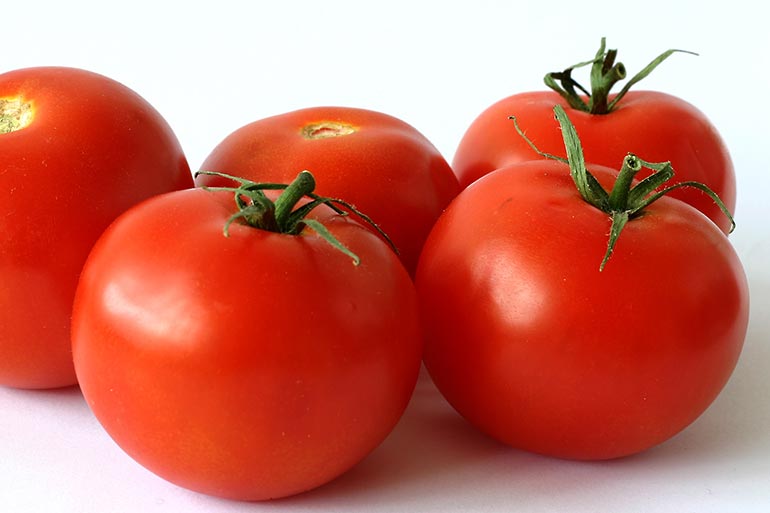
(605, 73)
(626, 200)
(15, 114)
(327, 129)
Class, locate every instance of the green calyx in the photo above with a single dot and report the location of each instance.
(627, 200)
(283, 215)
(605, 73)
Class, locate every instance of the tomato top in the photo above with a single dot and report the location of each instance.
(655, 126)
(378, 163)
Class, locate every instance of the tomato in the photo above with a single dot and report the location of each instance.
(77, 150)
(252, 366)
(655, 125)
(379, 163)
(538, 348)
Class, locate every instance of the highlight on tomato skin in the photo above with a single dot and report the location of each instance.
(78, 149)
(250, 364)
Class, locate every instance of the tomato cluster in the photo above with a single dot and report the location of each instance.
(256, 329)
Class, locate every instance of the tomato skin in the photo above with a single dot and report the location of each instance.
(93, 149)
(250, 367)
(656, 126)
(385, 167)
(537, 348)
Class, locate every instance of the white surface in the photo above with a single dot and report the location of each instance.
(210, 69)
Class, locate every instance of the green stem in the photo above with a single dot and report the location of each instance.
(563, 83)
(618, 199)
(283, 215)
(627, 200)
(643, 74)
(619, 220)
(590, 189)
(605, 73)
(302, 186)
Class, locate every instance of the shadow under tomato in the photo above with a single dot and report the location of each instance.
(430, 443)
(737, 425)
(63, 395)
(434, 459)
(434, 451)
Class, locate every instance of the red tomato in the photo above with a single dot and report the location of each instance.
(534, 345)
(382, 165)
(250, 367)
(77, 150)
(656, 126)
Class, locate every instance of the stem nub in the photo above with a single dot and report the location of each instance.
(283, 215)
(626, 200)
(15, 114)
(605, 73)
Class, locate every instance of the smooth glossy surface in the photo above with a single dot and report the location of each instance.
(535, 346)
(253, 366)
(93, 149)
(437, 65)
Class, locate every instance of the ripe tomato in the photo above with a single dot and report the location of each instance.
(382, 165)
(537, 348)
(77, 150)
(252, 366)
(657, 126)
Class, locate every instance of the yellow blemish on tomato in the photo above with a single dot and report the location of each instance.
(326, 129)
(15, 114)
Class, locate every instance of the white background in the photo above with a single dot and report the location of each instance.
(211, 67)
